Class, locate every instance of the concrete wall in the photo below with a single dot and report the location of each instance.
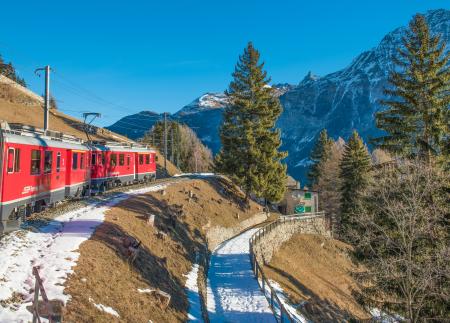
(265, 247)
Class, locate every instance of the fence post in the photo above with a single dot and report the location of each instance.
(271, 298)
(36, 301)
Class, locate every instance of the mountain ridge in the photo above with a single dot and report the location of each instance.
(340, 101)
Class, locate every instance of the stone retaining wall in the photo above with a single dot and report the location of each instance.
(216, 235)
(285, 229)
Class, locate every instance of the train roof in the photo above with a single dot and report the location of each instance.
(21, 134)
(121, 147)
(32, 136)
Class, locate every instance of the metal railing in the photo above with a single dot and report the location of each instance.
(280, 312)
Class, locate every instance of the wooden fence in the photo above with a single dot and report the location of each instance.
(280, 312)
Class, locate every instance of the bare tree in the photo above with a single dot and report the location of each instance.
(328, 183)
(402, 240)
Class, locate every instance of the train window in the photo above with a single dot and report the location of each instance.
(141, 159)
(103, 159)
(147, 159)
(94, 159)
(48, 159)
(74, 160)
(128, 160)
(35, 162)
(58, 162)
(81, 160)
(121, 159)
(10, 160)
(17, 161)
(113, 161)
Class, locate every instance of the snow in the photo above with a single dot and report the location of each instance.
(233, 294)
(195, 174)
(382, 317)
(105, 308)
(290, 308)
(54, 249)
(195, 311)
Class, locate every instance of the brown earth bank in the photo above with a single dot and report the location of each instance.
(17, 107)
(183, 212)
(315, 271)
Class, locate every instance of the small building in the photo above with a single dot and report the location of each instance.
(298, 200)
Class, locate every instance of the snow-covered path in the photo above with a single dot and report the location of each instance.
(54, 249)
(233, 292)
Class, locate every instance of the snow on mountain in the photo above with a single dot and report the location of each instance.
(207, 101)
(340, 101)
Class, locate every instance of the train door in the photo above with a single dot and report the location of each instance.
(136, 166)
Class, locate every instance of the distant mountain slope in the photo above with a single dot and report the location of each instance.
(344, 100)
(340, 101)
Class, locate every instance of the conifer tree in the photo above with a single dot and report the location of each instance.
(355, 174)
(250, 142)
(417, 118)
(319, 155)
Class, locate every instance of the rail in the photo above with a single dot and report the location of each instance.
(280, 312)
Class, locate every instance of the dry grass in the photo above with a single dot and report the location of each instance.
(316, 269)
(103, 274)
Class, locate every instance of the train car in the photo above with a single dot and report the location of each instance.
(38, 170)
(116, 164)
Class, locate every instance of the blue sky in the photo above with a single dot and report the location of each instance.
(121, 57)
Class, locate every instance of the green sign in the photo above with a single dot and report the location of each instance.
(299, 209)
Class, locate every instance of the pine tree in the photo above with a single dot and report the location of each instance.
(250, 142)
(355, 169)
(417, 118)
(319, 154)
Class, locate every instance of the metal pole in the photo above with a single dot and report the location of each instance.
(47, 98)
(165, 141)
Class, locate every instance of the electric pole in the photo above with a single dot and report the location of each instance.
(165, 141)
(47, 95)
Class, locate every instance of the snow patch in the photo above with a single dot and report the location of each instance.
(54, 249)
(105, 308)
(195, 311)
(290, 308)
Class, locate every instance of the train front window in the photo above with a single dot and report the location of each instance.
(35, 162)
(10, 160)
(147, 159)
(48, 159)
(17, 161)
(74, 160)
(58, 162)
(121, 159)
(141, 159)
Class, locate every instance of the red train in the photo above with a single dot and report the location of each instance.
(39, 170)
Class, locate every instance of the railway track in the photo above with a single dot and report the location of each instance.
(37, 220)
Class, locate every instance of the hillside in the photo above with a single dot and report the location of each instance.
(315, 272)
(168, 252)
(340, 101)
(19, 105)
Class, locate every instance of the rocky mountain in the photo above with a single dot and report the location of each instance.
(340, 101)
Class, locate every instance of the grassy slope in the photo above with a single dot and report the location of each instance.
(15, 107)
(316, 269)
(103, 274)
